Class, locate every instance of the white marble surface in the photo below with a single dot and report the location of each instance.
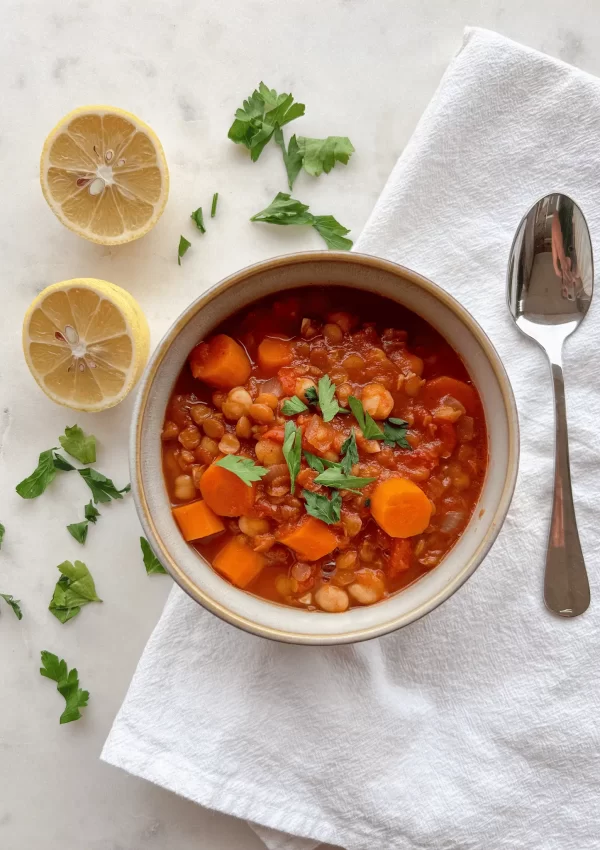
(364, 69)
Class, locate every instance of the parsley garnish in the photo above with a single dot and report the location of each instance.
(91, 514)
(320, 463)
(213, 207)
(14, 604)
(78, 530)
(327, 400)
(286, 210)
(292, 451)
(293, 405)
(323, 508)
(292, 157)
(67, 684)
(370, 429)
(151, 562)
(76, 444)
(183, 246)
(42, 475)
(320, 155)
(74, 589)
(367, 503)
(311, 395)
(337, 479)
(243, 467)
(261, 114)
(62, 463)
(394, 431)
(198, 219)
(350, 452)
(103, 489)
(2, 533)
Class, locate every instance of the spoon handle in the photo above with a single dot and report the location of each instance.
(566, 587)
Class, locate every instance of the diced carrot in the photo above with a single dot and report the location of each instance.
(275, 434)
(196, 520)
(400, 507)
(225, 493)
(221, 362)
(311, 539)
(434, 391)
(274, 354)
(238, 562)
(400, 555)
(287, 378)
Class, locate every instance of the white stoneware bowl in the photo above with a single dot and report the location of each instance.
(325, 269)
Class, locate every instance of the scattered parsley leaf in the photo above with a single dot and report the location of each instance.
(151, 562)
(198, 219)
(311, 395)
(261, 114)
(183, 246)
(2, 533)
(67, 684)
(284, 209)
(292, 158)
(337, 479)
(42, 475)
(320, 155)
(91, 514)
(62, 463)
(292, 451)
(314, 462)
(103, 489)
(243, 467)
(394, 431)
(213, 207)
(350, 453)
(323, 508)
(367, 503)
(14, 604)
(327, 400)
(79, 530)
(76, 444)
(370, 429)
(332, 232)
(74, 589)
(293, 405)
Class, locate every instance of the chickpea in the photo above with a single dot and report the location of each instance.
(343, 392)
(377, 401)
(366, 594)
(261, 413)
(346, 321)
(252, 526)
(207, 450)
(269, 399)
(343, 578)
(243, 428)
(199, 412)
(461, 480)
(186, 458)
(302, 384)
(184, 488)
(333, 334)
(237, 403)
(218, 398)
(367, 552)
(301, 571)
(352, 524)
(353, 364)
(332, 599)
(229, 444)
(170, 431)
(213, 428)
(269, 453)
(347, 560)
(309, 328)
(189, 437)
(286, 585)
(198, 471)
(412, 385)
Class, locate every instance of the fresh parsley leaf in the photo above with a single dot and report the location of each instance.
(314, 462)
(103, 489)
(370, 429)
(327, 400)
(42, 475)
(367, 503)
(62, 463)
(79, 530)
(323, 508)
(76, 444)
(394, 431)
(261, 114)
(284, 209)
(151, 562)
(74, 589)
(293, 405)
(320, 155)
(332, 232)
(338, 480)
(213, 206)
(292, 451)
(198, 219)
(91, 514)
(183, 246)
(243, 467)
(2, 533)
(67, 684)
(350, 453)
(14, 604)
(311, 395)
(292, 158)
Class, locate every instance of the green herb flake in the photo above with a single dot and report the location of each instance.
(42, 475)
(370, 429)
(91, 514)
(327, 510)
(314, 462)
(183, 246)
(320, 155)
(337, 479)
(67, 684)
(151, 562)
(198, 219)
(284, 210)
(74, 589)
(260, 115)
(62, 463)
(292, 451)
(327, 400)
(14, 604)
(103, 489)
(311, 395)
(213, 206)
(394, 431)
(243, 467)
(293, 405)
(79, 531)
(367, 503)
(332, 232)
(78, 445)
(350, 453)
(2, 533)
(292, 157)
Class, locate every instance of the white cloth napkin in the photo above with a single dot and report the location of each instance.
(477, 727)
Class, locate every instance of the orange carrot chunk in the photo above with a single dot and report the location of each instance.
(274, 354)
(221, 362)
(238, 562)
(225, 493)
(434, 391)
(196, 520)
(311, 539)
(400, 508)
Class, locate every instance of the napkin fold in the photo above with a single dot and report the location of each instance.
(475, 728)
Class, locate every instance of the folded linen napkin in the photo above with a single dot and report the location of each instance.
(477, 727)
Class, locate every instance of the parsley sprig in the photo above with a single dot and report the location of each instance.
(319, 506)
(67, 684)
(260, 115)
(151, 562)
(284, 210)
(74, 589)
(292, 451)
(14, 604)
(79, 445)
(243, 467)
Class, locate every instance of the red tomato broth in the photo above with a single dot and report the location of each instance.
(400, 351)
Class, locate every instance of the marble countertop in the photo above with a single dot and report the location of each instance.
(364, 69)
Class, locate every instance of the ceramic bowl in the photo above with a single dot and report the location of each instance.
(325, 269)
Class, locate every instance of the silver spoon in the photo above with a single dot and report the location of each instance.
(550, 285)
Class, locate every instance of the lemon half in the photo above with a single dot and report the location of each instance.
(104, 174)
(86, 343)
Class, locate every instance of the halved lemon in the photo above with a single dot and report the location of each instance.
(86, 343)
(104, 174)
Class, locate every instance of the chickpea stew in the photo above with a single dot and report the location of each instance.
(324, 458)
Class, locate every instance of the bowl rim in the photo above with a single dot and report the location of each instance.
(144, 395)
